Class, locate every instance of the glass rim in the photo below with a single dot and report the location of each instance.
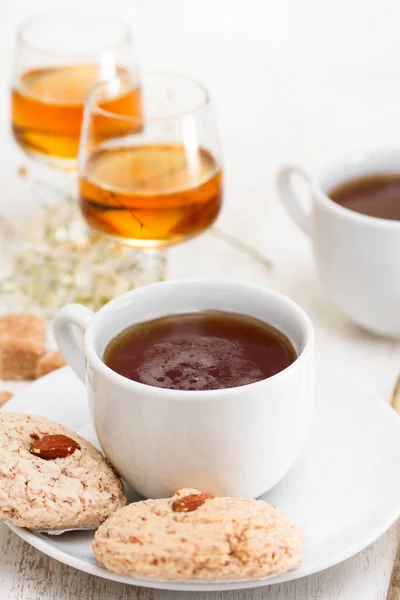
(92, 108)
(126, 36)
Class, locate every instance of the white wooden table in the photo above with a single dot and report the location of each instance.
(290, 80)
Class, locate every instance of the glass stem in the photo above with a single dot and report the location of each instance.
(242, 247)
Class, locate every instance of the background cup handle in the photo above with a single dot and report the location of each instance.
(80, 316)
(292, 204)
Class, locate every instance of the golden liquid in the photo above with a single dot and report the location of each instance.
(47, 109)
(152, 195)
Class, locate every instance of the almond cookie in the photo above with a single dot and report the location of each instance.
(52, 479)
(195, 536)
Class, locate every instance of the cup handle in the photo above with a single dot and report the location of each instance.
(292, 204)
(80, 316)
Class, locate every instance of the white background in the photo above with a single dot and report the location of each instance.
(290, 80)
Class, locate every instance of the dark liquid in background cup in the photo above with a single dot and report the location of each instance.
(372, 195)
(200, 351)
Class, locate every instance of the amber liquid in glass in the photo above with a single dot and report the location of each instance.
(151, 196)
(47, 108)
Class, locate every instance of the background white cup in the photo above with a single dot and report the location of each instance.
(357, 256)
(239, 441)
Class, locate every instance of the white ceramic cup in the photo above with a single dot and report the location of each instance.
(357, 256)
(239, 441)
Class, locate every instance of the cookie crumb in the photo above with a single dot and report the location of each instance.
(5, 397)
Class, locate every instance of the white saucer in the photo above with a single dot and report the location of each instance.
(343, 492)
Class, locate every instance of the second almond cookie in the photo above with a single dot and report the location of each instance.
(211, 538)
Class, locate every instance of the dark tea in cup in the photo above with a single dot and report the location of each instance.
(205, 350)
(372, 195)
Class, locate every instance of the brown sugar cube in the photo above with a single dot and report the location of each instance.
(48, 362)
(5, 397)
(18, 357)
(22, 341)
(23, 326)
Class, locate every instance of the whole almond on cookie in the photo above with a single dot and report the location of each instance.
(50, 447)
(190, 502)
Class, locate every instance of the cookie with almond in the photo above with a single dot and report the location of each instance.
(52, 479)
(196, 536)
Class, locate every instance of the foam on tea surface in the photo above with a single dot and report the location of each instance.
(200, 351)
